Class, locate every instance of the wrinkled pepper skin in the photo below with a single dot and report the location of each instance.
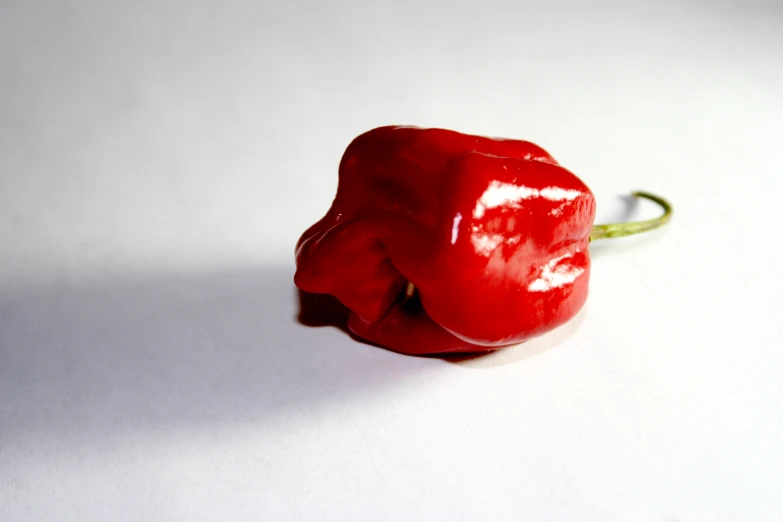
(492, 233)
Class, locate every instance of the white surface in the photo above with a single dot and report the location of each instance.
(158, 160)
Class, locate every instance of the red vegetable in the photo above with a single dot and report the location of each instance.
(443, 242)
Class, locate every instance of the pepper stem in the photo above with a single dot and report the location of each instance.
(634, 227)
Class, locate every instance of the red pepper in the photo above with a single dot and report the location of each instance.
(441, 242)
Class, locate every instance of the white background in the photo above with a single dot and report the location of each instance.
(159, 159)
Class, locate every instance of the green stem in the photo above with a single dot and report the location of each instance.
(634, 227)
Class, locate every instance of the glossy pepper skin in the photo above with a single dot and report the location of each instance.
(492, 233)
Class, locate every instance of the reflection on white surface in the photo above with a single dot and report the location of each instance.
(500, 194)
(556, 274)
(159, 160)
